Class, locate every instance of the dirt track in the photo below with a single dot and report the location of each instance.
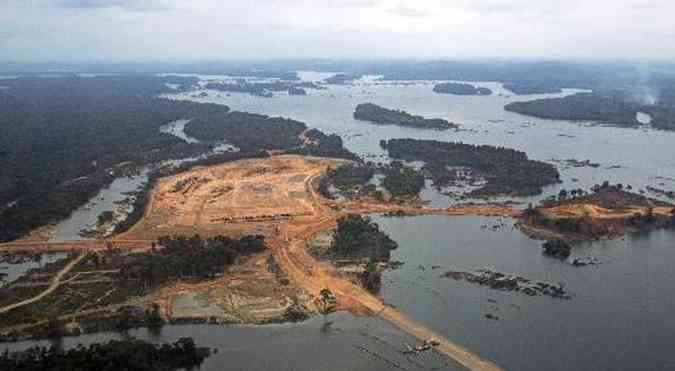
(56, 282)
(313, 276)
(597, 212)
(279, 196)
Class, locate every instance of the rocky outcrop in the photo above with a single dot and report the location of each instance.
(509, 282)
(558, 249)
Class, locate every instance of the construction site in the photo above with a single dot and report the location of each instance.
(274, 197)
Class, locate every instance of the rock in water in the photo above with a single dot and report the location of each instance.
(557, 248)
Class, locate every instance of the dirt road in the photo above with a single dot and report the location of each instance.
(283, 177)
(313, 276)
(56, 282)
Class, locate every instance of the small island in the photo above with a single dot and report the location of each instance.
(607, 211)
(460, 89)
(526, 89)
(383, 116)
(296, 90)
(262, 89)
(580, 107)
(500, 171)
(341, 79)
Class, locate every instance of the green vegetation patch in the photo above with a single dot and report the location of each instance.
(383, 116)
(129, 354)
(507, 171)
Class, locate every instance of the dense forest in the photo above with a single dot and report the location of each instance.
(322, 145)
(354, 181)
(402, 181)
(263, 89)
(247, 131)
(188, 257)
(379, 115)
(129, 354)
(460, 89)
(348, 179)
(521, 89)
(580, 106)
(341, 79)
(663, 117)
(507, 171)
(63, 139)
(359, 238)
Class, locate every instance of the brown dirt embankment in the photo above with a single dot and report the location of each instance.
(608, 213)
(275, 197)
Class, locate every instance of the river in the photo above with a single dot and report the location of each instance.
(620, 313)
(639, 157)
(620, 316)
(346, 343)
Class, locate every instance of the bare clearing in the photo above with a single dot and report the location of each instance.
(275, 197)
(243, 197)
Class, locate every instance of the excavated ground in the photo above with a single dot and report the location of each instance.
(275, 197)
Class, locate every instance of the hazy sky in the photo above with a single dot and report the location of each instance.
(64, 30)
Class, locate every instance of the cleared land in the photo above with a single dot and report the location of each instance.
(242, 197)
(607, 212)
(275, 197)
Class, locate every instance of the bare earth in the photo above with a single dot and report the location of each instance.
(275, 197)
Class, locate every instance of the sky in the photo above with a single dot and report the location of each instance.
(165, 30)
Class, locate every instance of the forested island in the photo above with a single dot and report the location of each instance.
(263, 89)
(580, 107)
(321, 145)
(400, 183)
(130, 354)
(460, 89)
(383, 116)
(525, 89)
(341, 79)
(605, 211)
(505, 171)
(359, 245)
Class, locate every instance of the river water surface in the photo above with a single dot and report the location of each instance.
(620, 316)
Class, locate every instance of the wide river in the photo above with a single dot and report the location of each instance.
(620, 315)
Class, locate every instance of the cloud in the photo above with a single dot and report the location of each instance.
(131, 5)
(221, 29)
(405, 11)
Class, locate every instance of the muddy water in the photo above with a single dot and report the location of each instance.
(620, 316)
(306, 346)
